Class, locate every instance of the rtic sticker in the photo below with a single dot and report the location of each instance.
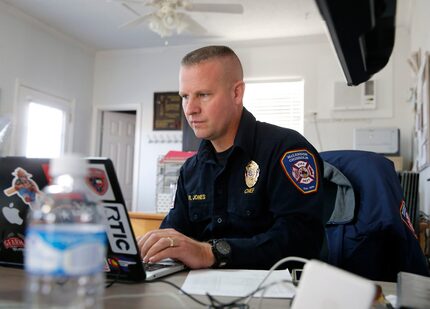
(301, 169)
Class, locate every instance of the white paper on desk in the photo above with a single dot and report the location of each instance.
(232, 282)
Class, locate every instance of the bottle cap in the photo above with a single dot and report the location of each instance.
(72, 164)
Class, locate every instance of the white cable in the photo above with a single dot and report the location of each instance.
(275, 266)
(260, 302)
(173, 295)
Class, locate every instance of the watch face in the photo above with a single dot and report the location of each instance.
(223, 247)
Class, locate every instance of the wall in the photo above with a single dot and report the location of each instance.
(130, 77)
(420, 23)
(40, 57)
(392, 107)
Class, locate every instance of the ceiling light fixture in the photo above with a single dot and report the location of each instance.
(166, 19)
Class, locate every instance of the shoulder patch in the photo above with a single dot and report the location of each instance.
(301, 169)
(405, 218)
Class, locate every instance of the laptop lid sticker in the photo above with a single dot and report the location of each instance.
(98, 182)
(25, 187)
(119, 233)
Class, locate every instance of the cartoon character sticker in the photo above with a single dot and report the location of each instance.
(25, 187)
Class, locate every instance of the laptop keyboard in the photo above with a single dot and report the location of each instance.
(152, 266)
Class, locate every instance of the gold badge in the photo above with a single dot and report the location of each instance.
(252, 171)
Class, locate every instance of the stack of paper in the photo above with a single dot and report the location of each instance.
(238, 283)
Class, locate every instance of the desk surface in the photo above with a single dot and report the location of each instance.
(136, 295)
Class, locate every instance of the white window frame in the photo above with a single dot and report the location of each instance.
(283, 80)
(26, 94)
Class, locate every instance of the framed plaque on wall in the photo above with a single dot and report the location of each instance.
(167, 111)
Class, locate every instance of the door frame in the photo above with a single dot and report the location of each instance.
(96, 138)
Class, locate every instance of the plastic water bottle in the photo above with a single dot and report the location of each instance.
(65, 246)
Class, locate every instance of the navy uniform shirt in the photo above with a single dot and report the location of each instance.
(265, 200)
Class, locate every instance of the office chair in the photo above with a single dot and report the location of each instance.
(368, 232)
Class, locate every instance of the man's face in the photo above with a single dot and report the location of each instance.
(209, 100)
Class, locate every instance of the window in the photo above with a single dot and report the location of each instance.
(45, 131)
(277, 102)
(43, 124)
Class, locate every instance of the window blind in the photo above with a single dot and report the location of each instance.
(279, 103)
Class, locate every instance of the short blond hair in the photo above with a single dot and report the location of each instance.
(211, 52)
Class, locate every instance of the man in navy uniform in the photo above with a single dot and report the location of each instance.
(252, 194)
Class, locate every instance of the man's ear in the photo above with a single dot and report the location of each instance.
(238, 91)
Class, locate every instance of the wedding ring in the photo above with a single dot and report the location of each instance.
(172, 241)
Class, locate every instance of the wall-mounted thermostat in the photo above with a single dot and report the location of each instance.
(380, 140)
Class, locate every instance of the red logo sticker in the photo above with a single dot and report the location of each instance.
(13, 243)
(97, 180)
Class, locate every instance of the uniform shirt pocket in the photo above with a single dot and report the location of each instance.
(199, 211)
(245, 206)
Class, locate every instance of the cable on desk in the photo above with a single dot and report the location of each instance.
(182, 291)
(235, 302)
(276, 265)
(216, 304)
(113, 281)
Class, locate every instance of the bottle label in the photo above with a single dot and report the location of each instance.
(70, 250)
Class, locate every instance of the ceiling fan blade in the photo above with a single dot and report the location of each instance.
(189, 24)
(128, 1)
(137, 21)
(215, 8)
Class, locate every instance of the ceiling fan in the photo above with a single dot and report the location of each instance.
(169, 17)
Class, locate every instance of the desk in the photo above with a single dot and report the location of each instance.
(153, 295)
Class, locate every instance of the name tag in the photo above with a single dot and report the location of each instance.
(196, 197)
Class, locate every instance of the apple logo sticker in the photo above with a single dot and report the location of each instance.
(12, 214)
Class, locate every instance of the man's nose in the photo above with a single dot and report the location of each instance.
(192, 106)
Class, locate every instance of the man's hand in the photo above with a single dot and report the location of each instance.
(168, 243)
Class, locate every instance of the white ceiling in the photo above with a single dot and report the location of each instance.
(95, 22)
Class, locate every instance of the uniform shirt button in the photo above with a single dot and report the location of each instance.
(219, 220)
(248, 212)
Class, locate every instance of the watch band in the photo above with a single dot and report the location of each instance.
(222, 252)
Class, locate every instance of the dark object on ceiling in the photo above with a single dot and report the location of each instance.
(362, 32)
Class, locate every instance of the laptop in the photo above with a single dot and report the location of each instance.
(123, 258)
(21, 183)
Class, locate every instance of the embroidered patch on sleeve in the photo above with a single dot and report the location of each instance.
(300, 167)
(405, 217)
